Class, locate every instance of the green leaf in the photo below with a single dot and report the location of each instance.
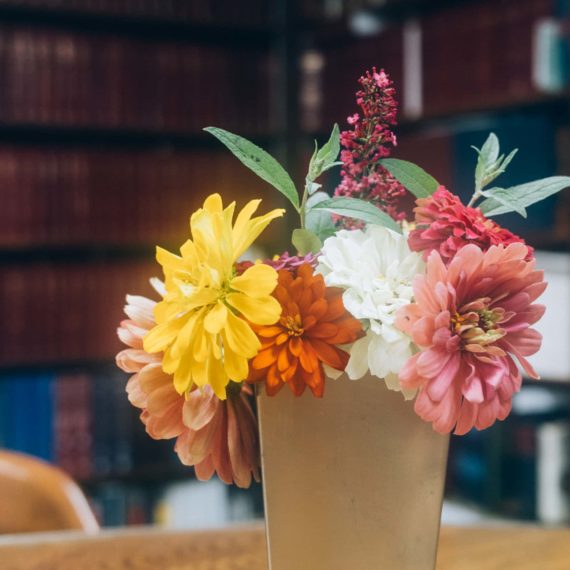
(411, 176)
(524, 195)
(358, 209)
(488, 156)
(503, 197)
(489, 164)
(319, 221)
(312, 187)
(325, 157)
(259, 161)
(306, 241)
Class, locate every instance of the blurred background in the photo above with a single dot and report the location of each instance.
(102, 156)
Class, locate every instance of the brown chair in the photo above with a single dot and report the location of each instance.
(36, 496)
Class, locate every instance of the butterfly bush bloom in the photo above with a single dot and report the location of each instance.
(213, 435)
(296, 348)
(472, 319)
(444, 224)
(370, 139)
(200, 328)
(375, 269)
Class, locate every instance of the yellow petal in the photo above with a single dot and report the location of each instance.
(263, 311)
(216, 318)
(211, 372)
(201, 297)
(257, 281)
(201, 347)
(218, 378)
(188, 250)
(169, 261)
(161, 336)
(183, 377)
(246, 231)
(213, 203)
(242, 220)
(237, 334)
(235, 365)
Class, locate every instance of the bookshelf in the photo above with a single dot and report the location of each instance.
(102, 156)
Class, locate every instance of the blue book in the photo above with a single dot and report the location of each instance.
(3, 412)
(44, 404)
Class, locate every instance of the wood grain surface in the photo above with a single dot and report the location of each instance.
(499, 548)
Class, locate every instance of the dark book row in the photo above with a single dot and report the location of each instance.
(81, 422)
(80, 197)
(494, 62)
(60, 78)
(226, 12)
(66, 312)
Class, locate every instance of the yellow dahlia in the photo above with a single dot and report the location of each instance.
(199, 326)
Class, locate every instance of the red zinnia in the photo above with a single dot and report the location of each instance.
(444, 224)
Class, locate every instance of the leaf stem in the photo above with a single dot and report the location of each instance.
(304, 199)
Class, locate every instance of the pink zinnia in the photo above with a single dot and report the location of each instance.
(215, 436)
(444, 224)
(470, 319)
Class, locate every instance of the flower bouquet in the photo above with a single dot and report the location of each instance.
(425, 303)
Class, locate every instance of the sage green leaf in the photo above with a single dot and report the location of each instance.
(259, 161)
(488, 156)
(306, 241)
(411, 176)
(319, 221)
(524, 195)
(503, 197)
(325, 158)
(358, 209)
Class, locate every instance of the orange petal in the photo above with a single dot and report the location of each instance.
(323, 330)
(319, 308)
(308, 357)
(268, 332)
(295, 345)
(283, 337)
(286, 375)
(330, 354)
(264, 358)
(283, 359)
(335, 309)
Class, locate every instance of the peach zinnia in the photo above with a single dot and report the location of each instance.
(213, 435)
(470, 319)
(313, 322)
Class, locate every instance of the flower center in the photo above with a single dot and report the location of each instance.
(294, 325)
(478, 327)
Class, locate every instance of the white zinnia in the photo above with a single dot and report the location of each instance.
(375, 268)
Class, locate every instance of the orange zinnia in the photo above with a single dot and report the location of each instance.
(312, 323)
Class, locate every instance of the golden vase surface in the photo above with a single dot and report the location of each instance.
(352, 481)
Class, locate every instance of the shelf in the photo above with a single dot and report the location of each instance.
(60, 135)
(147, 28)
(148, 475)
(338, 31)
(27, 370)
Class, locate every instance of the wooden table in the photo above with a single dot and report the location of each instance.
(499, 548)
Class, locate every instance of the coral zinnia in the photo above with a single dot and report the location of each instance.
(211, 434)
(444, 224)
(204, 340)
(471, 318)
(313, 322)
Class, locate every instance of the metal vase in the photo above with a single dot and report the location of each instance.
(351, 481)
